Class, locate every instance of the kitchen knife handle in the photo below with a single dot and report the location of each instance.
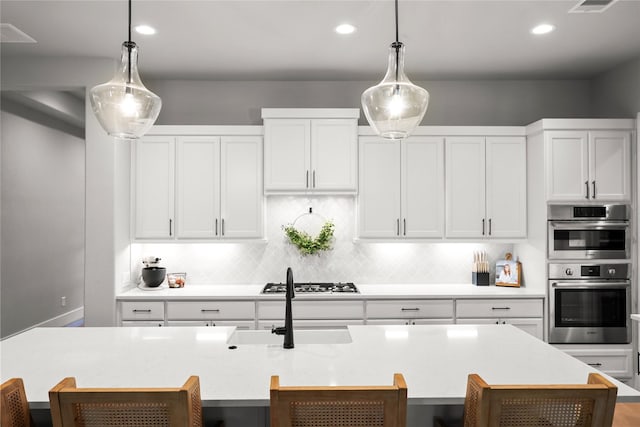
(593, 183)
(397, 226)
(404, 226)
(489, 226)
(170, 227)
(307, 185)
(314, 179)
(586, 184)
(483, 226)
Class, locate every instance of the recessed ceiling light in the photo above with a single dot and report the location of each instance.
(345, 29)
(145, 29)
(542, 29)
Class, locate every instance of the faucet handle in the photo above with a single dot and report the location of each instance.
(279, 330)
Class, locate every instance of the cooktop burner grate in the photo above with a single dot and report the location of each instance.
(311, 288)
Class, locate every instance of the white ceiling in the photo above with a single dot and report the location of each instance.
(294, 39)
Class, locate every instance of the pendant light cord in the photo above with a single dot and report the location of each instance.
(397, 44)
(129, 46)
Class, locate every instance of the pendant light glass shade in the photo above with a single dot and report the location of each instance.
(395, 106)
(124, 107)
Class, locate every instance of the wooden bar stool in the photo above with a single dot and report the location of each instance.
(339, 406)
(148, 407)
(14, 407)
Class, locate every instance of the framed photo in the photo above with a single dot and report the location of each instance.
(508, 273)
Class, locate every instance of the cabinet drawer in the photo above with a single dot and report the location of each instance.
(142, 310)
(499, 308)
(414, 309)
(312, 324)
(239, 324)
(617, 363)
(142, 323)
(201, 310)
(323, 309)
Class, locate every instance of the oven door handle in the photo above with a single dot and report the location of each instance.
(591, 285)
(594, 225)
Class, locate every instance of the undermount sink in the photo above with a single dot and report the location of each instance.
(320, 336)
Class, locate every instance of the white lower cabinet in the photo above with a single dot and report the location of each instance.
(141, 311)
(316, 314)
(617, 362)
(240, 314)
(239, 324)
(526, 314)
(410, 312)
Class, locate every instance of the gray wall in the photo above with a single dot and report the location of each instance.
(617, 92)
(43, 216)
(499, 103)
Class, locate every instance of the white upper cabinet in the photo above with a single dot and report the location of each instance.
(486, 187)
(587, 165)
(310, 150)
(219, 187)
(401, 192)
(198, 193)
(153, 187)
(241, 209)
(218, 184)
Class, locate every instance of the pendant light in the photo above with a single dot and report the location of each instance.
(124, 107)
(395, 106)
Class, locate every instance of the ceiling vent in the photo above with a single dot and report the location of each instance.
(10, 34)
(592, 6)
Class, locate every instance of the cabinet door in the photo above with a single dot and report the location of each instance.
(198, 187)
(334, 147)
(287, 145)
(610, 165)
(154, 160)
(379, 193)
(241, 187)
(506, 180)
(532, 326)
(422, 183)
(465, 198)
(567, 165)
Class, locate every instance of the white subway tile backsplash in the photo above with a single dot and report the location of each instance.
(370, 263)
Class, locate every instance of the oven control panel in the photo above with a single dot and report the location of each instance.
(589, 271)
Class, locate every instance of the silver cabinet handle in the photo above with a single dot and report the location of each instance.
(410, 309)
(307, 185)
(586, 184)
(222, 227)
(216, 226)
(500, 308)
(489, 226)
(135, 310)
(170, 227)
(210, 310)
(483, 226)
(397, 226)
(593, 183)
(404, 226)
(314, 179)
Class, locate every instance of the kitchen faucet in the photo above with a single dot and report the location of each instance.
(287, 330)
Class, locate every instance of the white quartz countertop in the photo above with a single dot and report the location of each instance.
(434, 359)
(377, 291)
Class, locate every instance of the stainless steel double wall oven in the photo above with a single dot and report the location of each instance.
(589, 274)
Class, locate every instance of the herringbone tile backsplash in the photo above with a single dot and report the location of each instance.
(349, 260)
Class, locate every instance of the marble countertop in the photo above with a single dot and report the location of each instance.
(376, 291)
(434, 359)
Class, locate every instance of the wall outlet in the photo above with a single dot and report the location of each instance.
(63, 301)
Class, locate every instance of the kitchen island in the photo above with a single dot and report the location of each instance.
(434, 359)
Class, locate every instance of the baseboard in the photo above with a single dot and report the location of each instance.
(61, 320)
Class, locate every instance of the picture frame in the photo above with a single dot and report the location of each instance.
(508, 273)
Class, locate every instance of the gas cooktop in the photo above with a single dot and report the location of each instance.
(312, 288)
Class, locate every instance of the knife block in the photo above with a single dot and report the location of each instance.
(480, 279)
